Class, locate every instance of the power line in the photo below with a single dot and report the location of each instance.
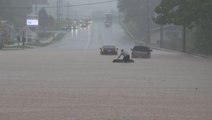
(64, 6)
(85, 4)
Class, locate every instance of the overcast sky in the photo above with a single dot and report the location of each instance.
(85, 10)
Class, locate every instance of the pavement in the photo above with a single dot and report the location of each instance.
(70, 80)
(83, 85)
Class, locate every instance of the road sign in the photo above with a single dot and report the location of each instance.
(32, 22)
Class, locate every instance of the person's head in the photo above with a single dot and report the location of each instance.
(122, 50)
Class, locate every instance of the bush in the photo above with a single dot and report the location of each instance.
(203, 41)
(45, 34)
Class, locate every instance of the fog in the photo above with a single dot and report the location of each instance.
(82, 10)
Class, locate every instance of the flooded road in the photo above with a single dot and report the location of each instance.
(69, 80)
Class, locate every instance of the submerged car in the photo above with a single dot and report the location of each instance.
(108, 50)
(141, 52)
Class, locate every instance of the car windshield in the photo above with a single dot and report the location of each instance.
(105, 59)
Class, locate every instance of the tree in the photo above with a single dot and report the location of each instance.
(188, 13)
(4, 11)
(15, 11)
(51, 20)
(43, 17)
(185, 12)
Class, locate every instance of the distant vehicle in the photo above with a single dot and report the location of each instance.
(107, 24)
(90, 21)
(64, 28)
(67, 28)
(74, 27)
(108, 19)
(141, 52)
(84, 25)
(108, 50)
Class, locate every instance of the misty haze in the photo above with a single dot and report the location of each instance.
(105, 60)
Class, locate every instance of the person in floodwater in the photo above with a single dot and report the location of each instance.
(125, 54)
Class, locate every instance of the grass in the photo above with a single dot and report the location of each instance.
(58, 37)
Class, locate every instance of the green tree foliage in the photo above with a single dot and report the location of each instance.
(51, 20)
(15, 10)
(188, 13)
(44, 18)
(185, 12)
(4, 9)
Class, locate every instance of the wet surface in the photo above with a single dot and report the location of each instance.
(69, 80)
(93, 37)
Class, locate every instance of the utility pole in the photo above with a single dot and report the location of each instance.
(68, 10)
(148, 22)
(61, 10)
(161, 36)
(36, 8)
(184, 38)
(58, 11)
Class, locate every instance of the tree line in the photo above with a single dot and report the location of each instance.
(193, 15)
(15, 11)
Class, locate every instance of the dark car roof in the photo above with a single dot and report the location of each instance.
(108, 46)
(141, 48)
